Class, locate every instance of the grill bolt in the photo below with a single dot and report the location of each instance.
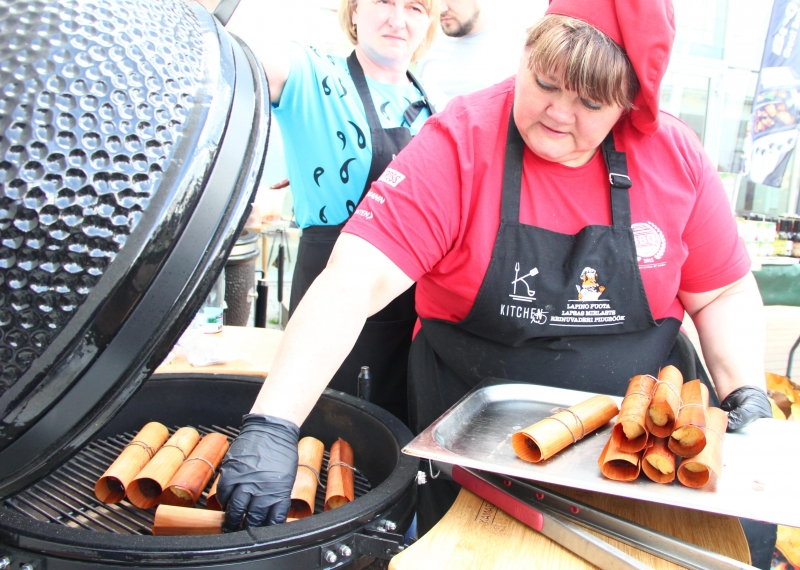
(345, 551)
(5, 562)
(390, 526)
(330, 557)
(26, 567)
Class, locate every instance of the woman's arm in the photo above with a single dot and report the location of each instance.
(358, 281)
(730, 323)
(259, 26)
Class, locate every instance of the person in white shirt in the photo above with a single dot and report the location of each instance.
(473, 53)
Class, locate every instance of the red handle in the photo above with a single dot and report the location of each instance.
(514, 507)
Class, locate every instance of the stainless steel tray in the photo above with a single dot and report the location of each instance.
(760, 462)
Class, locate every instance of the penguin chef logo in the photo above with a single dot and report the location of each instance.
(589, 289)
(526, 294)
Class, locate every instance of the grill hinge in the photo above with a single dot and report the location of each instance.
(382, 545)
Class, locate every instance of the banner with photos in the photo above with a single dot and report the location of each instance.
(773, 129)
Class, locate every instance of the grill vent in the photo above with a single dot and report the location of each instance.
(66, 497)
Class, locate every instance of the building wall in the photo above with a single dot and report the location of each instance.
(709, 84)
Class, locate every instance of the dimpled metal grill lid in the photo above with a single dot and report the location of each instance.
(132, 134)
(91, 107)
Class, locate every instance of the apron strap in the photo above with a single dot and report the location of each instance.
(360, 81)
(618, 178)
(425, 98)
(616, 163)
(512, 173)
(374, 122)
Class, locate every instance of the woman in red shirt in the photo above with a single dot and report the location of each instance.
(557, 226)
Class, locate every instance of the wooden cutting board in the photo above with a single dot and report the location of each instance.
(477, 535)
(259, 345)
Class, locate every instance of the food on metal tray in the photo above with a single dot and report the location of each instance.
(145, 490)
(619, 465)
(113, 485)
(187, 484)
(547, 437)
(659, 461)
(341, 484)
(666, 402)
(689, 438)
(629, 433)
(696, 471)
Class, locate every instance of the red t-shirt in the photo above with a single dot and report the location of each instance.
(435, 212)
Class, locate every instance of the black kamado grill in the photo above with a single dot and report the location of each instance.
(132, 138)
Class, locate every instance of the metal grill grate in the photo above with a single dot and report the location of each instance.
(66, 496)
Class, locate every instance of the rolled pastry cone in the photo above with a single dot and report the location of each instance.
(145, 490)
(696, 471)
(112, 486)
(666, 402)
(619, 465)
(188, 483)
(658, 462)
(181, 521)
(341, 485)
(689, 438)
(547, 437)
(630, 433)
(211, 501)
(309, 454)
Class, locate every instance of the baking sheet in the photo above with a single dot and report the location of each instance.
(760, 462)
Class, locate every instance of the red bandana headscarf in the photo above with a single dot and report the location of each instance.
(645, 29)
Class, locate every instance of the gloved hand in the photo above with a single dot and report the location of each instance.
(258, 473)
(745, 405)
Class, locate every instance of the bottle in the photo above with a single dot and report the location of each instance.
(796, 239)
(209, 317)
(364, 384)
(788, 236)
(782, 246)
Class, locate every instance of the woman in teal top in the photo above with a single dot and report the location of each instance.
(342, 122)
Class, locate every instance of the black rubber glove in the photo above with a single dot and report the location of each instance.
(258, 472)
(745, 405)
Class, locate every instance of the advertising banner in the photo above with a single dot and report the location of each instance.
(773, 128)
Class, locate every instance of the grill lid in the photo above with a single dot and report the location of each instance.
(132, 137)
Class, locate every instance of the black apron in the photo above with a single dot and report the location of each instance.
(384, 342)
(559, 310)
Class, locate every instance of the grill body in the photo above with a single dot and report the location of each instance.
(78, 541)
(132, 139)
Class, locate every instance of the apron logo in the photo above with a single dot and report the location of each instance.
(589, 290)
(526, 295)
(588, 310)
(650, 244)
(392, 177)
(532, 273)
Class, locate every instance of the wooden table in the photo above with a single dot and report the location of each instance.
(259, 344)
(477, 535)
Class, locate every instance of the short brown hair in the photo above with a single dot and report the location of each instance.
(346, 23)
(588, 61)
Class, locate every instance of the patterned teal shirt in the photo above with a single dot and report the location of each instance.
(326, 136)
